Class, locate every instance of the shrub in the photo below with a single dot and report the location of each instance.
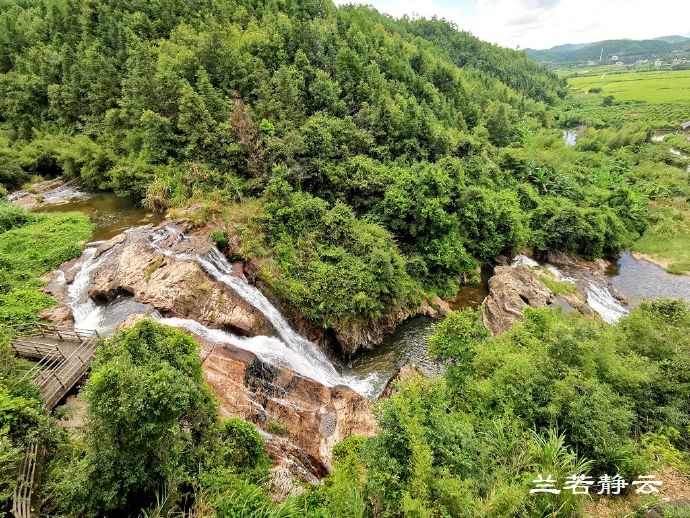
(220, 237)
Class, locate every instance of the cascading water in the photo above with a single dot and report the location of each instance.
(601, 301)
(570, 137)
(291, 350)
(104, 318)
(599, 297)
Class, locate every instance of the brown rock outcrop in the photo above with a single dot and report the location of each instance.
(511, 290)
(47, 192)
(301, 419)
(175, 287)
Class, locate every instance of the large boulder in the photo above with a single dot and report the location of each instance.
(511, 290)
(176, 287)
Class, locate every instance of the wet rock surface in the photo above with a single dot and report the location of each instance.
(301, 419)
(47, 192)
(514, 288)
(129, 265)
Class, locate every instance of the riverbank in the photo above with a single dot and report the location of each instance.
(659, 261)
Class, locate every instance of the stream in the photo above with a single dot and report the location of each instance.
(369, 371)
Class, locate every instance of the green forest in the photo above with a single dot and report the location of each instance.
(367, 163)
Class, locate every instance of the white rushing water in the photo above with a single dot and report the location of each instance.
(523, 260)
(599, 297)
(570, 138)
(603, 302)
(289, 349)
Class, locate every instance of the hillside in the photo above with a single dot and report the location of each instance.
(311, 176)
(628, 51)
(324, 117)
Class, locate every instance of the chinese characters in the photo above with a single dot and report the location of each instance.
(605, 485)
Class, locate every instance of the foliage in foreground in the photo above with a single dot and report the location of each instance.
(558, 394)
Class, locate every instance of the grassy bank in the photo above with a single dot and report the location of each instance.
(667, 242)
(31, 245)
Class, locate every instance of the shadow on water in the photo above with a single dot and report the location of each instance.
(409, 342)
(639, 280)
(110, 214)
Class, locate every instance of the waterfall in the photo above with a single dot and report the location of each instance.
(523, 260)
(570, 138)
(599, 297)
(291, 349)
(288, 349)
(104, 318)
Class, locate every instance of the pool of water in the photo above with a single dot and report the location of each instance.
(639, 280)
(409, 342)
(110, 214)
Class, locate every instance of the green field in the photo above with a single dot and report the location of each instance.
(652, 87)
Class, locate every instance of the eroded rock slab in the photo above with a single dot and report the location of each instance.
(301, 419)
(514, 288)
(48, 192)
(129, 265)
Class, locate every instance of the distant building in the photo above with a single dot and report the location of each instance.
(641, 61)
(614, 58)
(620, 64)
(658, 63)
(591, 63)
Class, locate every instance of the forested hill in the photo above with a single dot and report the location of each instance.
(511, 67)
(626, 50)
(383, 158)
(154, 80)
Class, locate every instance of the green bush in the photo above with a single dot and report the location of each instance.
(149, 414)
(220, 238)
(11, 216)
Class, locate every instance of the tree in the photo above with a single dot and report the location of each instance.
(148, 416)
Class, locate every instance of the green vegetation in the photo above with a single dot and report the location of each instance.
(363, 163)
(31, 245)
(153, 439)
(643, 102)
(652, 87)
(668, 239)
(407, 152)
(467, 446)
(558, 287)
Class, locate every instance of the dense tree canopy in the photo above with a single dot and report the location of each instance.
(393, 125)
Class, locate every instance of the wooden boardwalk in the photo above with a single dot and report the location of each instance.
(63, 357)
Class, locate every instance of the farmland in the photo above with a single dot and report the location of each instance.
(651, 87)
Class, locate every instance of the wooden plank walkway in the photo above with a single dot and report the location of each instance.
(64, 356)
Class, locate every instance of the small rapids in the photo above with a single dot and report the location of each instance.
(600, 299)
(104, 318)
(570, 137)
(599, 296)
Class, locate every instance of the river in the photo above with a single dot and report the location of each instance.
(369, 371)
(109, 213)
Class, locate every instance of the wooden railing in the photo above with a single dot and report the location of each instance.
(35, 329)
(55, 372)
(21, 499)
